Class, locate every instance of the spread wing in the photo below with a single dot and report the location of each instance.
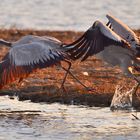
(26, 58)
(32, 53)
(32, 38)
(123, 30)
(93, 41)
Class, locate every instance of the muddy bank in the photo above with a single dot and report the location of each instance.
(43, 86)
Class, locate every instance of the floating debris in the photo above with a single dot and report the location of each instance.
(135, 116)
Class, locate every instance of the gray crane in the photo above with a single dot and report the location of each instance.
(126, 33)
(109, 46)
(29, 54)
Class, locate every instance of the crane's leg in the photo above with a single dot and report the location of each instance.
(65, 77)
(68, 72)
(138, 84)
(130, 73)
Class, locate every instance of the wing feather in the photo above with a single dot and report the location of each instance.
(90, 49)
(80, 49)
(81, 52)
(123, 30)
(93, 41)
(26, 58)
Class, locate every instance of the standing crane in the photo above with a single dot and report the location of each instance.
(29, 54)
(109, 46)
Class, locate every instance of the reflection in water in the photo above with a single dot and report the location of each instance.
(55, 121)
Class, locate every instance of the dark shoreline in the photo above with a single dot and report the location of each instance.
(102, 79)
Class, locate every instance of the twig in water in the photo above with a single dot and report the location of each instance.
(135, 117)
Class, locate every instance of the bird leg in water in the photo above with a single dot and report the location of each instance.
(138, 84)
(136, 88)
(68, 72)
(130, 69)
(135, 78)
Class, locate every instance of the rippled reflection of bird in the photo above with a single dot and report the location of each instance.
(109, 45)
(31, 53)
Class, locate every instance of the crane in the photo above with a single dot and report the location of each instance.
(29, 54)
(109, 46)
(126, 33)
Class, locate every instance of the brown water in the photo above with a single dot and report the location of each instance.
(33, 121)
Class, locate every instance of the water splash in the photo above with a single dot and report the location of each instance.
(122, 99)
(57, 121)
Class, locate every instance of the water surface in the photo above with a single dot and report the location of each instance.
(66, 15)
(33, 121)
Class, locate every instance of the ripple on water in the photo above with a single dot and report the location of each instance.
(56, 121)
(65, 15)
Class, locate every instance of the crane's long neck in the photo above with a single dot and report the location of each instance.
(6, 43)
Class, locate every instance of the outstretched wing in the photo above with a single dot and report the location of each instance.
(93, 41)
(123, 30)
(33, 38)
(32, 53)
(24, 59)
